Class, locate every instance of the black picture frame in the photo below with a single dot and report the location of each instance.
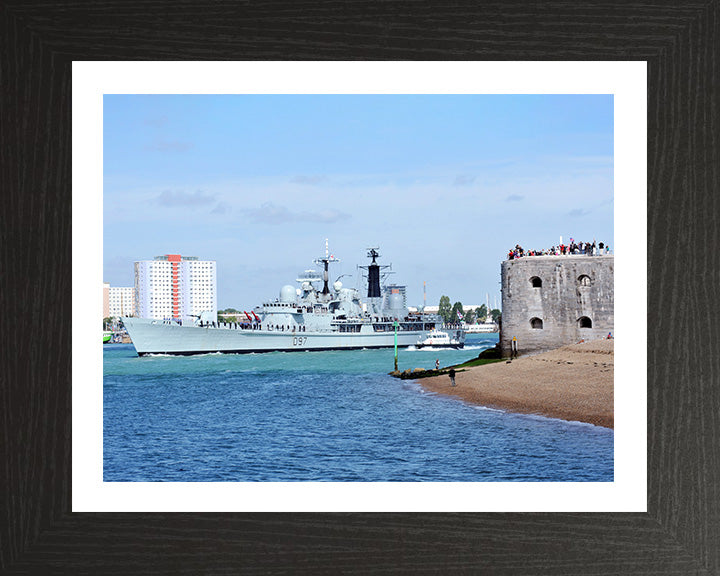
(680, 533)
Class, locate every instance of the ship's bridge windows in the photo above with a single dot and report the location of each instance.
(536, 282)
(536, 323)
(584, 322)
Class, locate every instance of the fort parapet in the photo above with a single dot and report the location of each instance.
(553, 301)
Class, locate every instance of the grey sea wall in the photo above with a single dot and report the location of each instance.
(553, 301)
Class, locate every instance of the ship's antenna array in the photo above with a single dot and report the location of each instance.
(325, 262)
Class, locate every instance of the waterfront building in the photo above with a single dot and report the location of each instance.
(175, 286)
(121, 301)
(106, 299)
(553, 301)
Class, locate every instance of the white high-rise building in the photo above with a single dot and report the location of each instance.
(175, 286)
(121, 301)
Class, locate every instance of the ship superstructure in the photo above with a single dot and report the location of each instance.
(310, 317)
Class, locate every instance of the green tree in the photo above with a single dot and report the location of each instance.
(444, 309)
(481, 313)
(495, 314)
(470, 317)
(457, 307)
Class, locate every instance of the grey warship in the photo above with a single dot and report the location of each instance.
(307, 318)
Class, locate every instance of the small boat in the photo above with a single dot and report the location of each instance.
(482, 328)
(439, 339)
(107, 335)
(486, 327)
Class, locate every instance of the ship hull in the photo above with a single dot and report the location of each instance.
(155, 337)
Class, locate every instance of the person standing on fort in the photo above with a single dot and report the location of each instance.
(437, 364)
(452, 376)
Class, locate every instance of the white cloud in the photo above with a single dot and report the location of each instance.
(181, 198)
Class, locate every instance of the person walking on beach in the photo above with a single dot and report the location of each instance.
(452, 376)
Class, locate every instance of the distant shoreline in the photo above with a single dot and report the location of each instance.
(572, 383)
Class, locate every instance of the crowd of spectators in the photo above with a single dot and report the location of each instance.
(586, 248)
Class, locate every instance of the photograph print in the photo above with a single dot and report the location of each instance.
(358, 288)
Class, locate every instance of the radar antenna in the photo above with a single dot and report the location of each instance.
(373, 253)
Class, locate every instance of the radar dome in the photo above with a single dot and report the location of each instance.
(287, 294)
(337, 285)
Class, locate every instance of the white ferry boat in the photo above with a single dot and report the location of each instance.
(486, 327)
(482, 328)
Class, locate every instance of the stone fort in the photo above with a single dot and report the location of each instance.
(553, 301)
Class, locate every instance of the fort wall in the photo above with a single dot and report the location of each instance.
(553, 301)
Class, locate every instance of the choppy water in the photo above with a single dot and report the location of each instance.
(324, 416)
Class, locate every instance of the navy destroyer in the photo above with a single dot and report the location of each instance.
(304, 318)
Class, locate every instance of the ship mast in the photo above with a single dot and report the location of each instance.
(374, 279)
(325, 262)
(373, 274)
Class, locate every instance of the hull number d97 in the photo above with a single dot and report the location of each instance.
(299, 340)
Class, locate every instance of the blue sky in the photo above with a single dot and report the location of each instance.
(443, 184)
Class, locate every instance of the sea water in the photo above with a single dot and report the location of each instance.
(324, 416)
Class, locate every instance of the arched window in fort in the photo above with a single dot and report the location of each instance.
(584, 280)
(585, 322)
(536, 324)
(536, 282)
